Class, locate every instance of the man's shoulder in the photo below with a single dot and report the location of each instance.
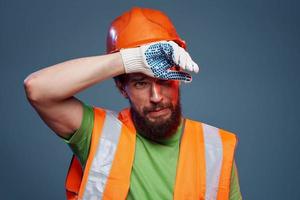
(208, 126)
(111, 117)
(105, 113)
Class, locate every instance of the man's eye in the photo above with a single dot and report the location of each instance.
(140, 84)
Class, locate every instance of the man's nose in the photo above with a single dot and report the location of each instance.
(155, 96)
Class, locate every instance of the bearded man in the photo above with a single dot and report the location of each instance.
(149, 150)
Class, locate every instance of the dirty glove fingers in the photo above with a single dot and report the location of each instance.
(176, 53)
(195, 67)
(191, 65)
(182, 58)
(179, 75)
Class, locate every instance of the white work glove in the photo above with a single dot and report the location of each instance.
(156, 59)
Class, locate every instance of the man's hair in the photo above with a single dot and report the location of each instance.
(120, 80)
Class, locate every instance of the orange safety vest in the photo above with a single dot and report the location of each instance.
(203, 172)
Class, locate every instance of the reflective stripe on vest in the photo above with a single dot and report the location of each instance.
(115, 181)
(213, 160)
(102, 162)
(203, 169)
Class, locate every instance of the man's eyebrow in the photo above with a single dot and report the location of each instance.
(140, 78)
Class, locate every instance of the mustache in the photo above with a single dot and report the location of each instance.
(156, 107)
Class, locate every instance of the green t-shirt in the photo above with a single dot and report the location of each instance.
(154, 167)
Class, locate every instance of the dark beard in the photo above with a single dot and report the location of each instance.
(157, 131)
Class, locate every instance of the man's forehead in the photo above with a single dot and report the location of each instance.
(138, 76)
(135, 77)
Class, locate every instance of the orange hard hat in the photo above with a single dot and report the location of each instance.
(140, 26)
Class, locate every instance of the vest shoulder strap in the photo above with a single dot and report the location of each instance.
(205, 162)
(75, 177)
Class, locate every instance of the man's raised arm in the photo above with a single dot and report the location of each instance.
(50, 90)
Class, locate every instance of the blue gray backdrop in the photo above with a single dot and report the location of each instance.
(249, 84)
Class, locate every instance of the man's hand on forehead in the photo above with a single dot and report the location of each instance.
(158, 60)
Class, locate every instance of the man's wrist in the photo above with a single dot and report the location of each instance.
(132, 60)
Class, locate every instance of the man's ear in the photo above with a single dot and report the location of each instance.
(124, 93)
(121, 88)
